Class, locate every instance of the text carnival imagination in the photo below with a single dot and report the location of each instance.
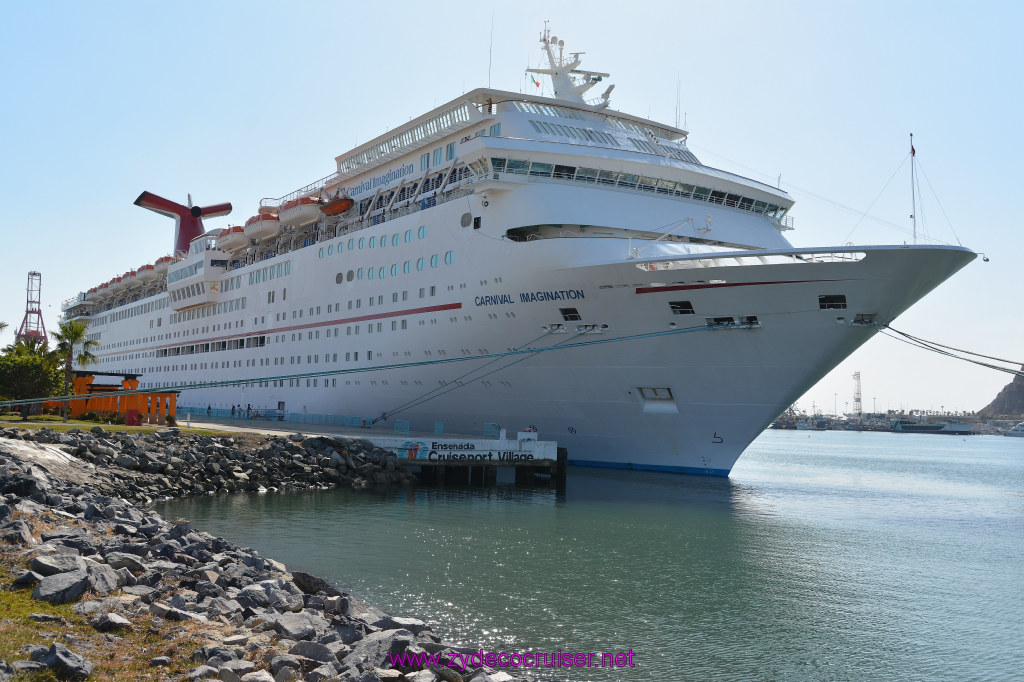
(530, 297)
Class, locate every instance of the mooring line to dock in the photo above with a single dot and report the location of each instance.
(948, 351)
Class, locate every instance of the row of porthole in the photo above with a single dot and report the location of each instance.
(372, 242)
(382, 271)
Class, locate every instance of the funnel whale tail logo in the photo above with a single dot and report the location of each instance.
(188, 220)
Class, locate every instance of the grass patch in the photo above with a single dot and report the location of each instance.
(111, 428)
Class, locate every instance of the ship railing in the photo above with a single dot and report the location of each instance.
(315, 186)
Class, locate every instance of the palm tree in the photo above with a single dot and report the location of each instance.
(26, 345)
(72, 336)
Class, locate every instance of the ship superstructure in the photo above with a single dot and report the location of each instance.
(523, 260)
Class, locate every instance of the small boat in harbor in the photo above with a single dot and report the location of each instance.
(948, 428)
(1017, 431)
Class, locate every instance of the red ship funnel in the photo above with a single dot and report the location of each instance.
(188, 220)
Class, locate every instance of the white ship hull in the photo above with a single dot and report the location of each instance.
(726, 384)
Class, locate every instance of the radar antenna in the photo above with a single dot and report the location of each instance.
(567, 80)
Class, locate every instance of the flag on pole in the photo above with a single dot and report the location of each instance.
(534, 80)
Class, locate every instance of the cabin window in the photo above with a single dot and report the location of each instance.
(449, 257)
(421, 233)
(420, 262)
(681, 307)
(373, 243)
(832, 302)
(437, 156)
(395, 240)
(434, 260)
(425, 161)
(449, 151)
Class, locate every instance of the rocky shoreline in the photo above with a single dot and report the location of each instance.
(67, 525)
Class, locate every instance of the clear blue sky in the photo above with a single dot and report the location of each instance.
(235, 101)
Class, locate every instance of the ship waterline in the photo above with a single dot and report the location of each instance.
(619, 299)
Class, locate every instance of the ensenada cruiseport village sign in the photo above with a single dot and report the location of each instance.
(524, 449)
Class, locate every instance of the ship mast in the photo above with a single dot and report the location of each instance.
(568, 81)
(913, 186)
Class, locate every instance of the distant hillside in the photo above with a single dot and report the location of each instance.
(1009, 402)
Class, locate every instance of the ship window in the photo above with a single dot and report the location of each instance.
(351, 244)
(517, 166)
(541, 169)
(832, 302)
(449, 257)
(373, 243)
(434, 260)
(425, 161)
(421, 233)
(380, 273)
(359, 273)
(449, 151)
(570, 314)
(498, 165)
(732, 200)
(647, 184)
(362, 242)
(407, 267)
(681, 307)
(717, 197)
(371, 273)
(395, 239)
(606, 177)
(701, 193)
(394, 269)
(420, 262)
(627, 180)
(656, 393)
(437, 156)
(408, 236)
(586, 174)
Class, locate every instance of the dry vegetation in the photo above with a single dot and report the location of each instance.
(124, 655)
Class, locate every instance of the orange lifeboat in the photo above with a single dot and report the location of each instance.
(115, 285)
(147, 273)
(231, 238)
(129, 277)
(338, 205)
(263, 226)
(300, 212)
(161, 265)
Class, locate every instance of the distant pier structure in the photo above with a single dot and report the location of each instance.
(32, 326)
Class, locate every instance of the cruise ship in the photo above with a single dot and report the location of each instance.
(536, 262)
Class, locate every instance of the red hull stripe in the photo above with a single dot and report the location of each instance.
(723, 285)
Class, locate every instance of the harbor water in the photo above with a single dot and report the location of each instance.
(825, 556)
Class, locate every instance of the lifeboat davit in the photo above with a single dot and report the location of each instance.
(300, 212)
(161, 265)
(232, 238)
(129, 278)
(115, 285)
(337, 206)
(262, 226)
(147, 273)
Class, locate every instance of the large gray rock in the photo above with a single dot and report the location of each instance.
(103, 579)
(124, 560)
(413, 625)
(111, 621)
(65, 663)
(16, 533)
(314, 651)
(284, 661)
(62, 587)
(299, 626)
(238, 667)
(59, 562)
(310, 584)
(322, 674)
(374, 648)
(258, 676)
